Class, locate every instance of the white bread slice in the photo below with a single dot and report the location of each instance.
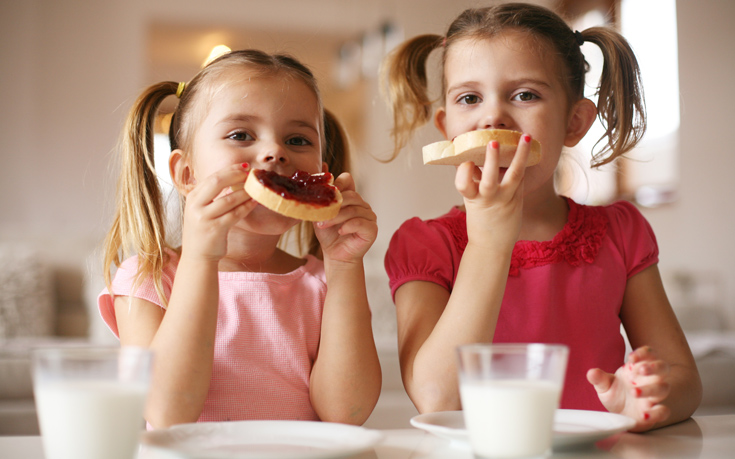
(471, 146)
(293, 208)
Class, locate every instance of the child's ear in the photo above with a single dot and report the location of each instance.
(325, 166)
(440, 120)
(580, 120)
(181, 172)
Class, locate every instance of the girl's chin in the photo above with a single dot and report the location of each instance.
(267, 221)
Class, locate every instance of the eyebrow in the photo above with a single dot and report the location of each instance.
(250, 118)
(518, 82)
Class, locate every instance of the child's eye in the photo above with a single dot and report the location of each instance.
(240, 136)
(525, 96)
(469, 99)
(298, 141)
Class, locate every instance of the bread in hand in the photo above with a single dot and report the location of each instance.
(304, 196)
(471, 146)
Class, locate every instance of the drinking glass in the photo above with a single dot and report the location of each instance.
(90, 400)
(509, 395)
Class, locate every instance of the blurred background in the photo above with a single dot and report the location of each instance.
(72, 68)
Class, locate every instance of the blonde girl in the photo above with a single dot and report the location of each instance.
(518, 262)
(240, 328)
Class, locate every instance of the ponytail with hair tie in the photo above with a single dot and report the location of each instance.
(405, 72)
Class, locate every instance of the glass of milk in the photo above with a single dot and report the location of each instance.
(90, 400)
(509, 394)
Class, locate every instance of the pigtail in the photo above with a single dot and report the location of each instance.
(620, 106)
(138, 226)
(407, 91)
(337, 147)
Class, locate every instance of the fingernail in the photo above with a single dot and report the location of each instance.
(646, 416)
(494, 144)
(638, 391)
(527, 138)
(245, 165)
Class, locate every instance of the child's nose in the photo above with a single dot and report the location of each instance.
(273, 152)
(494, 118)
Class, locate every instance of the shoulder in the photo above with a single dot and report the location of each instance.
(626, 218)
(314, 269)
(127, 277)
(128, 269)
(426, 250)
(632, 234)
(451, 226)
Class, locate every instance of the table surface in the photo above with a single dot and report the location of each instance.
(700, 437)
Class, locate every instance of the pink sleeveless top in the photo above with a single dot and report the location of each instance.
(568, 290)
(268, 330)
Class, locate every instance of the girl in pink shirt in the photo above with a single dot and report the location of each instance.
(518, 262)
(240, 328)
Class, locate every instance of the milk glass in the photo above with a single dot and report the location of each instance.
(90, 400)
(509, 395)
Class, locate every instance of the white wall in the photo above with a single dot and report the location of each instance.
(71, 68)
(696, 233)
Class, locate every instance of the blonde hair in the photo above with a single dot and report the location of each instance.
(138, 226)
(621, 106)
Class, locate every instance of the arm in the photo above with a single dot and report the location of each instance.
(182, 338)
(431, 321)
(346, 378)
(659, 385)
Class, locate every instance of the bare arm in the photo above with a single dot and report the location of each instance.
(346, 377)
(431, 321)
(182, 338)
(660, 384)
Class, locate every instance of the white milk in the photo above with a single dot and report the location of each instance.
(512, 418)
(90, 419)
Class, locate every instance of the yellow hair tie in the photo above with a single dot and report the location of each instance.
(180, 89)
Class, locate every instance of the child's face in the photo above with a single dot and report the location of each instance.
(507, 82)
(270, 122)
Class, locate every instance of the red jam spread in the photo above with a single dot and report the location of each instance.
(302, 186)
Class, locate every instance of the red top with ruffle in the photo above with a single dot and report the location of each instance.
(566, 290)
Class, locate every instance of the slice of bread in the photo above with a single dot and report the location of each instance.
(296, 202)
(471, 146)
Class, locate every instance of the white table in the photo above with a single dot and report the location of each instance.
(706, 437)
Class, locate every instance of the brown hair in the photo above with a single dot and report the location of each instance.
(621, 107)
(139, 222)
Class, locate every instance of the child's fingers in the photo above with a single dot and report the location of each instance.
(220, 183)
(517, 169)
(489, 180)
(657, 368)
(601, 380)
(641, 353)
(365, 228)
(464, 180)
(345, 182)
(654, 392)
(353, 206)
(492, 156)
(647, 418)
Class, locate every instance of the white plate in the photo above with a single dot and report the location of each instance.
(262, 439)
(571, 427)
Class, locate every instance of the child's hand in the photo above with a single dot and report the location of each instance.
(636, 389)
(349, 235)
(212, 208)
(493, 202)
